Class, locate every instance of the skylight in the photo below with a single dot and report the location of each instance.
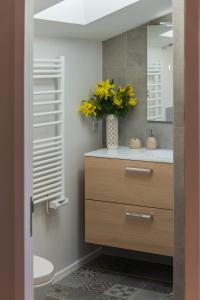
(82, 12)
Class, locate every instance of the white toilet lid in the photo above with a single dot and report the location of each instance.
(43, 270)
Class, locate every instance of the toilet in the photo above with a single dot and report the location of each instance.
(43, 271)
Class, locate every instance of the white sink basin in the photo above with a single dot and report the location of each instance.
(143, 154)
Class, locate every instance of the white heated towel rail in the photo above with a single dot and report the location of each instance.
(154, 99)
(48, 126)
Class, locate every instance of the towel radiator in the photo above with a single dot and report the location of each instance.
(154, 97)
(48, 130)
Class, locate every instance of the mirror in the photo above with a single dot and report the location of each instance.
(160, 72)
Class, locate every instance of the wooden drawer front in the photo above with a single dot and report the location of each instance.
(112, 180)
(107, 224)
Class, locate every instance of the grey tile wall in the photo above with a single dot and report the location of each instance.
(125, 60)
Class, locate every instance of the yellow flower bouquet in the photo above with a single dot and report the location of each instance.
(109, 100)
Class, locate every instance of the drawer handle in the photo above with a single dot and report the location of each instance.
(139, 171)
(139, 216)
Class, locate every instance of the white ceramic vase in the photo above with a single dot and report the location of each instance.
(112, 134)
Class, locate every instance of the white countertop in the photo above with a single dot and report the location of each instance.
(143, 154)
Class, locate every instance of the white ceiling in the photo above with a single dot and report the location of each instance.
(109, 26)
(43, 4)
(82, 12)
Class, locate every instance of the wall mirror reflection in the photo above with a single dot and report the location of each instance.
(160, 72)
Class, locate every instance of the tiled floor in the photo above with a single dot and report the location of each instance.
(114, 278)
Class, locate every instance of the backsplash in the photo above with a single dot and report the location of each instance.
(125, 60)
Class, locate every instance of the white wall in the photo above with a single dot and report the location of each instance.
(60, 236)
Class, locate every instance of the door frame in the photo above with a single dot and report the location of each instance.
(28, 138)
(192, 149)
(22, 278)
(23, 149)
(16, 256)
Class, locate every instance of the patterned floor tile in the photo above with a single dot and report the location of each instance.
(148, 295)
(169, 297)
(134, 282)
(122, 292)
(160, 287)
(51, 298)
(95, 285)
(58, 291)
(114, 278)
(111, 278)
(86, 272)
(104, 297)
(74, 281)
(80, 294)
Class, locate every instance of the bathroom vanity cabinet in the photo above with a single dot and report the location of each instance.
(129, 199)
